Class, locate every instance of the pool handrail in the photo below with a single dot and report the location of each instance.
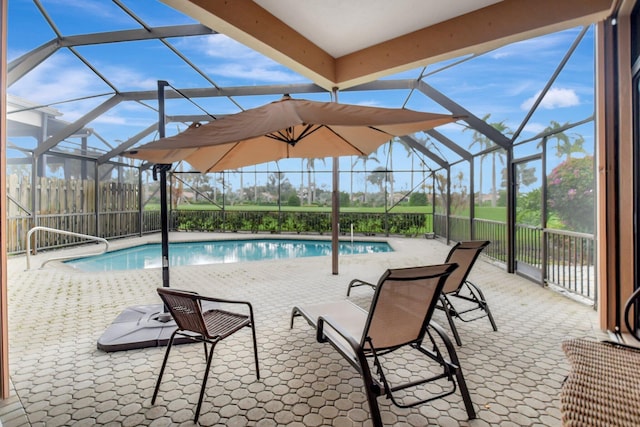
(67, 233)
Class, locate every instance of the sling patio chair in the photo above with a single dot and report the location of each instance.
(398, 323)
(459, 297)
(209, 327)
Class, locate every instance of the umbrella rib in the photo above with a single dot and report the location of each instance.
(308, 131)
(362, 153)
(224, 156)
(289, 138)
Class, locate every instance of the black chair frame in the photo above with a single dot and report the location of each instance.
(200, 332)
(376, 383)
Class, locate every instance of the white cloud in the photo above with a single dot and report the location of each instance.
(254, 72)
(221, 46)
(57, 79)
(545, 43)
(91, 8)
(370, 103)
(555, 98)
(234, 60)
(60, 79)
(534, 128)
(127, 79)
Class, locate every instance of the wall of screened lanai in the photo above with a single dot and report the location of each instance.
(78, 100)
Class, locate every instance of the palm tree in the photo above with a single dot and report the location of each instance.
(575, 146)
(484, 142)
(459, 195)
(505, 130)
(311, 171)
(255, 184)
(564, 146)
(391, 169)
(410, 155)
(379, 176)
(364, 160)
(241, 172)
(301, 178)
(524, 175)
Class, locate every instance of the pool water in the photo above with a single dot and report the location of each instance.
(218, 252)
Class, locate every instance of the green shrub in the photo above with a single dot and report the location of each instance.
(293, 200)
(571, 193)
(345, 200)
(418, 199)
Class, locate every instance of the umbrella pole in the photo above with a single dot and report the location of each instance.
(164, 219)
(163, 168)
(335, 214)
(335, 207)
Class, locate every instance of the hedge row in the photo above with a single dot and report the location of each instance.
(407, 224)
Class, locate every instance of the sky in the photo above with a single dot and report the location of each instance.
(502, 84)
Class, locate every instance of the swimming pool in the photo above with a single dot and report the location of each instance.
(218, 252)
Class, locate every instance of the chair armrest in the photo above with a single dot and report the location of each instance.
(453, 356)
(321, 337)
(227, 301)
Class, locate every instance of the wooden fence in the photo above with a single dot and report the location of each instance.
(109, 209)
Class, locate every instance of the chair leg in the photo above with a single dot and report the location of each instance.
(447, 311)
(453, 357)
(204, 382)
(206, 352)
(490, 316)
(483, 304)
(372, 396)
(255, 350)
(164, 364)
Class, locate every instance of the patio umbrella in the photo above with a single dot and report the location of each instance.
(288, 128)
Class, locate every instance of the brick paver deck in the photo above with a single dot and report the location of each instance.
(60, 378)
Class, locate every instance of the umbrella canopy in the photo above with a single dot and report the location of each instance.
(288, 128)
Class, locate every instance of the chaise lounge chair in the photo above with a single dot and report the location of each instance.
(399, 319)
(469, 296)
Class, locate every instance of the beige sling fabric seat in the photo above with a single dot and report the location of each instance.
(398, 320)
(460, 298)
(209, 327)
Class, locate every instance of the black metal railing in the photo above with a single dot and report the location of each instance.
(571, 262)
(528, 247)
(570, 257)
(496, 233)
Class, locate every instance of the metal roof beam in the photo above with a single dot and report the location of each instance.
(126, 144)
(27, 62)
(136, 35)
(424, 150)
(77, 125)
(475, 122)
(550, 82)
(267, 90)
(223, 92)
(30, 60)
(449, 144)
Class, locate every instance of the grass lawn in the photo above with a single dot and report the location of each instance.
(482, 212)
(198, 207)
(492, 214)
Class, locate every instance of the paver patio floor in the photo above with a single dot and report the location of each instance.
(59, 377)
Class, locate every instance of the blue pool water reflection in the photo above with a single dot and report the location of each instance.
(219, 251)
